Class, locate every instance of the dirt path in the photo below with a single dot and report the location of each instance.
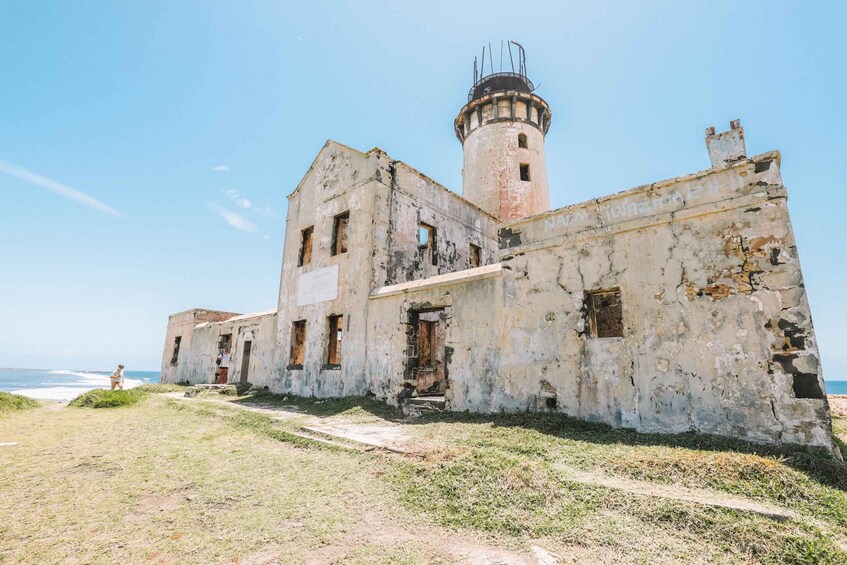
(676, 492)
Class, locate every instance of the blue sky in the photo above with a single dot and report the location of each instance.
(191, 121)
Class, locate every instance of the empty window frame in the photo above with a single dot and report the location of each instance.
(426, 343)
(807, 385)
(175, 355)
(298, 344)
(306, 246)
(339, 233)
(605, 313)
(522, 140)
(426, 243)
(524, 171)
(224, 343)
(474, 256)
(333, 353)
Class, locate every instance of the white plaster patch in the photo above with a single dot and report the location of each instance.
(317, 286)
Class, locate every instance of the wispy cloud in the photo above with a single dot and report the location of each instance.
(267, 211)
(237, 198)
(221, 168)
(59, 188)
(234, 219)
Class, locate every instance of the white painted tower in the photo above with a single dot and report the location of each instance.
(502, 129)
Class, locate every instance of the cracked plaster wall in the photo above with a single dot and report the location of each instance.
(387, 200)
(716, 321)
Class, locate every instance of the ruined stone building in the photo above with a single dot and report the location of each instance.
(673, 306)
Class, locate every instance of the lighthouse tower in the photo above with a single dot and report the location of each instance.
(502, 129)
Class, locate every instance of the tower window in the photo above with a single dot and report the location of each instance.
(339, 233)
(426, 243)
(525, 171)
(306, 246)
(522, 140)
(605, 313)
(333, 356)
(298, 344)
(474, 256)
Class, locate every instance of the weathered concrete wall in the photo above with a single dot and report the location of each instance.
(261, 331)
(404, 199)
(182, 325)
(387, 201)
(472, 301)
(340, 180)
(717, 329)
(717, 334)
(196, 363)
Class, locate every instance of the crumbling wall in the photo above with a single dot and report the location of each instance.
(386, 201)
(717, 333)
(405, 199)
(470, 306)
(182, 325)
(261, 331)
(341, 180)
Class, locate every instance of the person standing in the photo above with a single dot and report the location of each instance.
(225, 366)
(117, 378)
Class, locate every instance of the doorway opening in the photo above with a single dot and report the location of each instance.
(245, 361)
(427, 360)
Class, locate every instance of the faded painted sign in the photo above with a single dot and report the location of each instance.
(317, 286)
(639, 205)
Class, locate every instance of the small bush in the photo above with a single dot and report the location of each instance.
(13, 402)
(99, 398)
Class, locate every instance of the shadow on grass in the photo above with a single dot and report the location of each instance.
(323, 407)
(817, 464)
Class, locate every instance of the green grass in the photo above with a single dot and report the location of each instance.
(101, 398)
(14, 402)
(158, 388)
(228, 485)
(349, 407)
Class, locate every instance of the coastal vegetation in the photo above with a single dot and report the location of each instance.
(233, 479)
(101, 398)
(13, 402)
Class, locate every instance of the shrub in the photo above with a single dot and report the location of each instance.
(13, 402)
(99, 398)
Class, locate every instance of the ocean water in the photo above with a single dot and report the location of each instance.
(65, 385)
(836, 387)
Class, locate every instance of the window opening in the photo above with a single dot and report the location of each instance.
(426, 243)
(333, 356)
(298, 343)
(605, 313)
(175, 356)
(306, 246)
(524, 171)
(339, 231)
(806, 385)
(522, 140)
(474, 256)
